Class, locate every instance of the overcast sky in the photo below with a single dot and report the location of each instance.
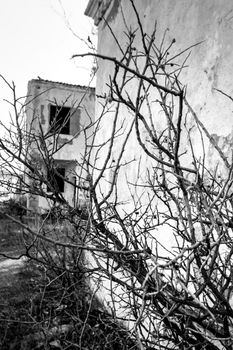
(36, 41)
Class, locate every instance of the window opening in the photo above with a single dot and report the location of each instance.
(60, 119)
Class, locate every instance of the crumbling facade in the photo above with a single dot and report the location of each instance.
(164, 73)
(58, 113)
(203, 26)
(205, 73)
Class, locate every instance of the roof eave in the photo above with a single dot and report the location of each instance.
(96, 9)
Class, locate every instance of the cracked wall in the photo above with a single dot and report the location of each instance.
(209, 68)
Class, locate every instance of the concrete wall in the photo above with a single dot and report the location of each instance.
(71, 148)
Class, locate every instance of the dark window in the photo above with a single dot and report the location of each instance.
(60, 119)
(56, 180)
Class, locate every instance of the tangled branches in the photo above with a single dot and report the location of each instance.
(158, 234)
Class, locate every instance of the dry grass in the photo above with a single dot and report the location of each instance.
(43, 306)
(11, 239)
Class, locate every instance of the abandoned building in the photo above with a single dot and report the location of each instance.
(58, 112)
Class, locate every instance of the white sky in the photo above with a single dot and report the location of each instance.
(36, 41)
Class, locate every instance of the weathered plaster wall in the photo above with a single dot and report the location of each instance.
(46, 93)
(189, 22)
(41, 94)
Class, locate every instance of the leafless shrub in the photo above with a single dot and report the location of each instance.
(162, 250)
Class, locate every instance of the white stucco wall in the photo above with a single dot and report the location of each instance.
(189, 22)
(208, 67)
(209, 23)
